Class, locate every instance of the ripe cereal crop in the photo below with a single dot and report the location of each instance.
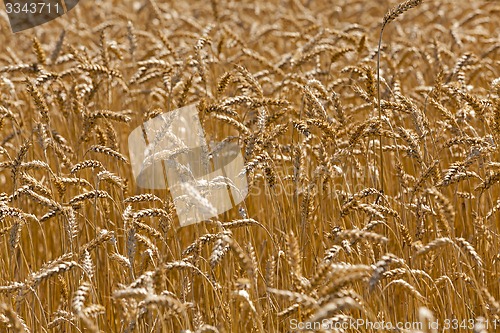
(369, 131)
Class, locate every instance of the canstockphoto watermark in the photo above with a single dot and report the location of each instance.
(170, 150)
(26, 14)
(354, 324)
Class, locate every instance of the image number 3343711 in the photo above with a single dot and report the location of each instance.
(26, 14)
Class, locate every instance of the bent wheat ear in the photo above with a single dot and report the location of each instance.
(108, 151)
(392, 14)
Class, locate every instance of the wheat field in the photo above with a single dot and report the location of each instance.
(373, 168)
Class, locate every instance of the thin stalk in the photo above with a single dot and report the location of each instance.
(380, 110)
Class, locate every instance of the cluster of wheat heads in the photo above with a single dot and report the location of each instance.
(295, 84)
